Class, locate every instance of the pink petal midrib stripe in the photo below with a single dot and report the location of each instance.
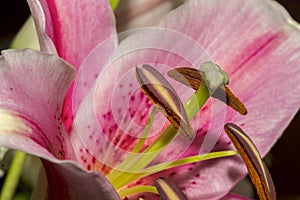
(57, 36)
(266, 40)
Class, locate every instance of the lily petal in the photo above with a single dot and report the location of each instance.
(33, 86)
(74, 27)
(71, 29)
(67, 180)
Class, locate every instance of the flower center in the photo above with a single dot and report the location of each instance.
(167, 101)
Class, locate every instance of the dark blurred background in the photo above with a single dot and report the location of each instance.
(285, 167)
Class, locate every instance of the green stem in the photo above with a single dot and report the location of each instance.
(13, 176)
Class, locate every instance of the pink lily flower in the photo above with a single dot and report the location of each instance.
(80, 129)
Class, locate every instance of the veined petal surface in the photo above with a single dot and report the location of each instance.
(72, 29)
(33, 86)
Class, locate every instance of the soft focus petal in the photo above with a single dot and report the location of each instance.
(33, 86)
(26, 37)
(67, 180)
(257, 44)
(140, 13)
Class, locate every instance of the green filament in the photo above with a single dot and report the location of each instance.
(188, 160)
(128, 177)
(130, 160)
(147, 129)
(137, 189)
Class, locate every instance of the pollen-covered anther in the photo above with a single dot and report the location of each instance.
(165, 99)
(217, 83)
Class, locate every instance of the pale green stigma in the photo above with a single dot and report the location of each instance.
(214, 75)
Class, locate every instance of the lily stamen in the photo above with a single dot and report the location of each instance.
(193, 78)
(164, 97)
(257, 169)
(157, 95)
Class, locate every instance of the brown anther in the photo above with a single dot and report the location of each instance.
(191, 77)
(257, 169)
(231, 100)
(164, 97)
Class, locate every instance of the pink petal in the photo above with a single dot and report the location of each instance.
(33, 86)
(67, 180)
(90, 69)
(75, 28)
